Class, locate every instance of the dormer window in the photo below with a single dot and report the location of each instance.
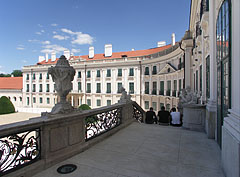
(168, 70)
(124, 56)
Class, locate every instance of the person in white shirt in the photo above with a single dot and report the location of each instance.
(175, 118)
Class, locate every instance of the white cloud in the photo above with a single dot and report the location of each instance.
(79, 37)
(46, 42)
(60, 37)
(53, 48)
(0, 66)
(54, 32)
(54, 24)
(40, 25)
(38, 33)
(2, 72)
(33, 40)
(24, 61)
(42, 31)
(75, 50)
(20, 48)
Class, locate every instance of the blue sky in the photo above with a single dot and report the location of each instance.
(30, 28)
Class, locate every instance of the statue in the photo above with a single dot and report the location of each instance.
(62, 74)
(124, 97)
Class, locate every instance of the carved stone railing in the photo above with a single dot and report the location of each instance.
(39, 143)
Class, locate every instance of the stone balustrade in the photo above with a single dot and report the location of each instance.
(31, 146)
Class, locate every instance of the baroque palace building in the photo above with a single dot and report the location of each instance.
(153, 77)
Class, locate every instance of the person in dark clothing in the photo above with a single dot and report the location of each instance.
(150, 116)
(164, 116)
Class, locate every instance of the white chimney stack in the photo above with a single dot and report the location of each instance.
(66, 53)
(108, 50)
(161, 43)
(41, 58)
(91, 52)
(133, 49)
(53, 56)
(46, 58)
(173, 39)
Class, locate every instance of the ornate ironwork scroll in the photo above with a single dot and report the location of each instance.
(102, 122)
(137, 114)
(18, 150)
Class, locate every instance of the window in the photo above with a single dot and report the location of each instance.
(27, 77)
(20, 98)
(27, 100)
(34, 88)
(88, 74)
(34, 76)
(146, 87)
(40, 100)
(154, 88)
(79, 74)
(131, 72)
(161, 105)
(88, 87)
(168, 107)
(154, 105)
(119, 72)
(98, 88)
(154, 71)
(14, 98)
(40, 76)
(89, 102)
(200, 73)
(47, 88)
(98, 73)
(34, 99)
(224, 64)
(179, 86)
(146, 71)
(40, 87)
(119, 87)
(48, 100)
(47, 76)
(98, 102)
(109, 102)
(27, 90)
(108, 87)
(131, 87)
(54, 87)
(146, 103)
(197, 80)
(208, 76)
(168, 88)
(161, 88)
(79, 86)
(174, 92)
(108, 73)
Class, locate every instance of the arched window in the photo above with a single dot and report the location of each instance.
(223, 56)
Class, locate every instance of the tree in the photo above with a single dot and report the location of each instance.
(6, 106)
(89, 119)
(17, 73)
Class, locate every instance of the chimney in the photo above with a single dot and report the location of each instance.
(41, 58)
(133, 49)
(53, 56)
(161, 43)
(91, 52)
(66, 53)
(46, 57)
(173, 39)
(108, 50)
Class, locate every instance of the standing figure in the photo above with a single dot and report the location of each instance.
(163, 116)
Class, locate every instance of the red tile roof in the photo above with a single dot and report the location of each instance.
(136, 53)
(15, 83)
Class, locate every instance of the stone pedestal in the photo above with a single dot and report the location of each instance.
(194, 117)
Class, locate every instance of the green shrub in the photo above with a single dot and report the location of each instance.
(90, 119)
(6, 106)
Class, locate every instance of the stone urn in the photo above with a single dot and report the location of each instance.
(62, 74)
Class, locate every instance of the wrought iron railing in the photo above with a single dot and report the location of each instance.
(100, 123)
(137, 114)
(18, 150)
